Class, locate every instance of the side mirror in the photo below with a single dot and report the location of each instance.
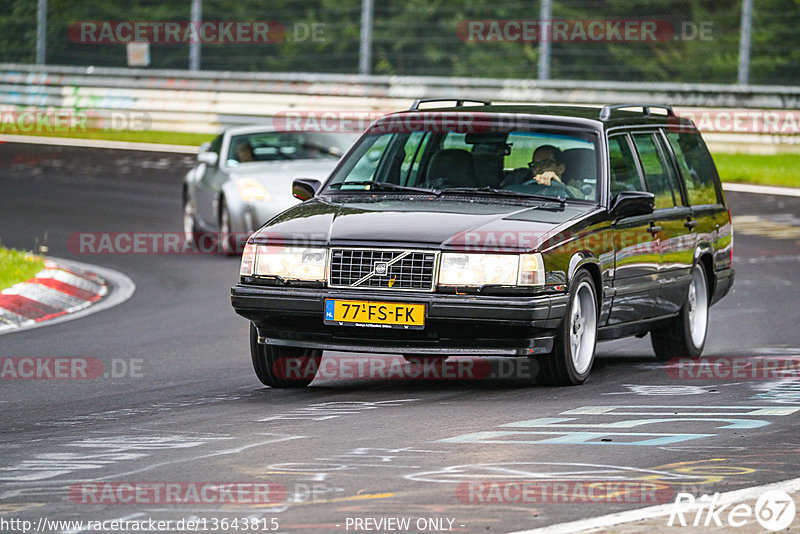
(204, 147)
(630, 203)
(305, 188)
(209, 158)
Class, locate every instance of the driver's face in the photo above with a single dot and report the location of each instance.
(543, 161)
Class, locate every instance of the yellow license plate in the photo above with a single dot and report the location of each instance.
(374, 314)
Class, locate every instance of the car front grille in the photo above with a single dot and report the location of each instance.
(398, 270)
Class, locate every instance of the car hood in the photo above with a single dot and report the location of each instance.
(425, 222)
(266, 171)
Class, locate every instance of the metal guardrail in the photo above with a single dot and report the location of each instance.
(205, 101)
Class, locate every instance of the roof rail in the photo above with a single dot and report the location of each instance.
(459, 102)
(606, 112)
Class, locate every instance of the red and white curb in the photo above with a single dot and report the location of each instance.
(62, 290)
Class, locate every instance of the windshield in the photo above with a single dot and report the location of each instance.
(285, 146)
(534, 161)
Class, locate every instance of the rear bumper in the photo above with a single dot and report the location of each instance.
(454, 324)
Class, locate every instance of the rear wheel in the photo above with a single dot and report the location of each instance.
(685, 335)
(573, 353)
(283, 367)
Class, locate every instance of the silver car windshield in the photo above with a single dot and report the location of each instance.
(286, 146)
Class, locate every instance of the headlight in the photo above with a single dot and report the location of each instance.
(251, 190)
(491, 269)
(289, 263)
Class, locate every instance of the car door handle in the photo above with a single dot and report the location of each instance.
(653, 229)
(690, 224)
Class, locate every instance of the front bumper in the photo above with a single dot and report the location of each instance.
(454, 324)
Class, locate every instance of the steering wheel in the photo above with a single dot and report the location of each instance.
(555, 188)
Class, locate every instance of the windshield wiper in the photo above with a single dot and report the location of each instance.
(504, 192)
(386, 185)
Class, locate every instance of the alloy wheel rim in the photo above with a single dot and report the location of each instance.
(697, 304)
(188, 218)
(583, 328)
(225, 230)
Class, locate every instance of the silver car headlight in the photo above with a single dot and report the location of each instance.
(289, 263)
(251, 190)
(476, 270)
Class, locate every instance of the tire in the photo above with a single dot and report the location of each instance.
(685, 335)
(277, 366)
(573, 353)
(227, 245)
(190, 228)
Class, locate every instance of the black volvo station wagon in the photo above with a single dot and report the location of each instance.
(522, 231)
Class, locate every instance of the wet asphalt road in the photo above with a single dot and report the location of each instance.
(344, 450)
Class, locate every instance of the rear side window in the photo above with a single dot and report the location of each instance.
(696, 166)
(624, 174)
(659, 175)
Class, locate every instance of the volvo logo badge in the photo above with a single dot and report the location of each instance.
(381, 268)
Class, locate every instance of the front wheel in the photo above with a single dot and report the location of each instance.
(685, 335)
(283, 367)
(226, 237)
(190, 228)
(573, 353)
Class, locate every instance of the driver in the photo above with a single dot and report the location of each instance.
(546, 166)
(244, 152)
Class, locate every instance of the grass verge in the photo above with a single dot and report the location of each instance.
(773, 169)
(165, 138)
(17, 266)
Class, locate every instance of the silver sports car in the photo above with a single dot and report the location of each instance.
(244, 177)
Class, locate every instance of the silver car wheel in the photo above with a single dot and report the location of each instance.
(698, 308)
(583, 328)
(225, 229)
(188, 217)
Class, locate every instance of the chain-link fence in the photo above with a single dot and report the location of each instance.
(648, 40)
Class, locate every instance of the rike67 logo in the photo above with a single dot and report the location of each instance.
(774, 510)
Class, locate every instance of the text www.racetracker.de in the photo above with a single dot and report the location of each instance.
(196, 524)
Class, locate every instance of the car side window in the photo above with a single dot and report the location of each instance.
(696, 167)
(659, 175)
(624, 173)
